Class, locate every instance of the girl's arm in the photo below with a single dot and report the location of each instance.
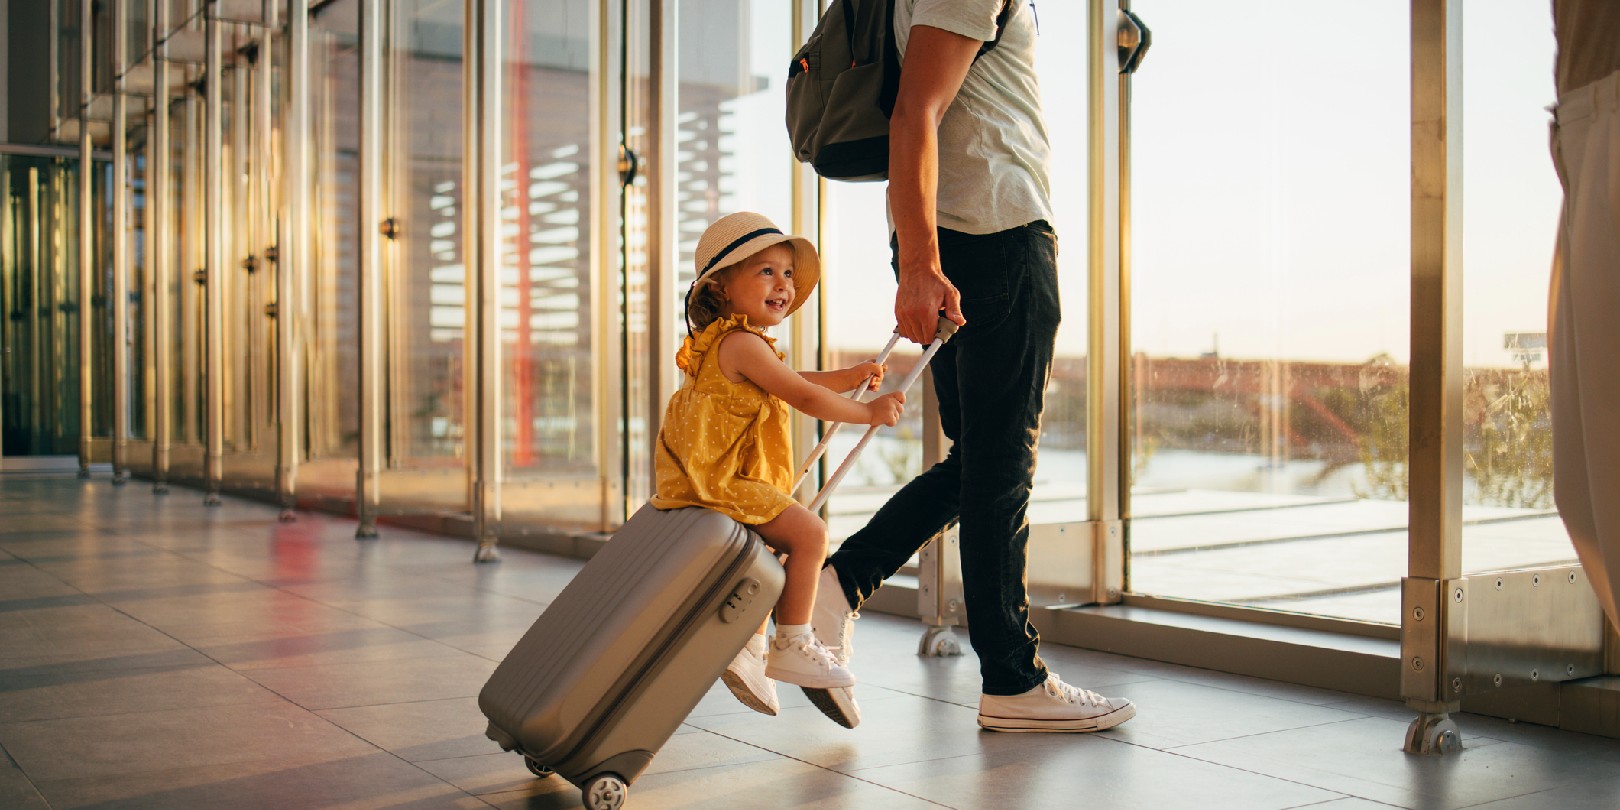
(847, 379)
(750, 358)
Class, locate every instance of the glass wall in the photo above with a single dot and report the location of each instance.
(425, 274)
(548, 313)
(39, 306)
(1511, 200)
(1269, 321)
(859, 285)
(331, 335)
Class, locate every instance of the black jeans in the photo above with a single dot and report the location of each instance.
(991, 382)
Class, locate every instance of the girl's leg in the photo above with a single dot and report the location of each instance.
(800, 534)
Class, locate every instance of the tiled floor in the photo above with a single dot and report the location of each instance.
(157, 653)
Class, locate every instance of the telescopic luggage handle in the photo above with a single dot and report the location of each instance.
(942, 333)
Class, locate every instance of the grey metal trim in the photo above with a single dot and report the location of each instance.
(1106, 460)
(296, 255)
(369, 473)
(1434, 562)
(161, 236)
(87, 249)
(484, 64)
(213, 264)
(50, 150)
(120, 202)
(606, 111)
(663, 240)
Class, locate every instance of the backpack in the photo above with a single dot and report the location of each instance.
(841, 89)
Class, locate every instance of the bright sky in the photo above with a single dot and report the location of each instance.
(1270, 191)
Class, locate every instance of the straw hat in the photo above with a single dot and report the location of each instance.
(735, 237)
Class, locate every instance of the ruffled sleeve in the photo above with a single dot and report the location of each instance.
(694, 349)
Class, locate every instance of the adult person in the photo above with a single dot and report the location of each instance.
(970, 207)
(1584, 334)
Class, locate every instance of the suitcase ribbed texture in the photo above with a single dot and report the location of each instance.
(615, 615)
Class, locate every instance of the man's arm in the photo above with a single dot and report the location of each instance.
(936, 63)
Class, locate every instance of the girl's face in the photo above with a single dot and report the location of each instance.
(761, 286)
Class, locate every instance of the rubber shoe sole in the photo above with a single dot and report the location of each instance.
(739, 689)
(1101, 722)
(838, 704)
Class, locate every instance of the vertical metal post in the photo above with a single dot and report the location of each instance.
(606, 111)
(87, 235)
(118, 198)
(370, 332)
(1106, 463)
(484, 62)
(1433, 595)
(295, 256)
(237, 281)
(213, 264)
(662, 212)
(187, 255)
(160, 234)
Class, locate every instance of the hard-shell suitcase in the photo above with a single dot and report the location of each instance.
(620, 657)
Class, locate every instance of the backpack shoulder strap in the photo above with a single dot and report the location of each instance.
(1007, 10)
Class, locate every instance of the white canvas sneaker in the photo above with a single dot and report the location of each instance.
(832, 619)
(745, 677)
(1053, 706)
(838, 704)
(803, 661)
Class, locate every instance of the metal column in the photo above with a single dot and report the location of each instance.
(160, 233)
(295, 258)
(1107, 459)
(1433, 593)
(483, 212)
(662, 212)
(87, 233)
(370, 331)
(118, 198)
(213, 264)
(606, 111)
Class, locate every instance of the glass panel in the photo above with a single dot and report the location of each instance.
(427, 288)
(548, 308)
(1269, 323)
(332, 364)
(39, 370)
(859, 289)
(180, 274)
(1510, 216)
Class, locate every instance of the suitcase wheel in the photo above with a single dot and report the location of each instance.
(605, 792)
(536, 768)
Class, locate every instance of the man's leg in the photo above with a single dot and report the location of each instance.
(1003, 358)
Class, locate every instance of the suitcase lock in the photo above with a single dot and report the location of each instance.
(741, 597)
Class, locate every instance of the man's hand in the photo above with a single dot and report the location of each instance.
(922, 295)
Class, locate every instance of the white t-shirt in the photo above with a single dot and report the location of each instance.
(993, 150)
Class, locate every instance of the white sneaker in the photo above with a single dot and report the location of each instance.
(1053, 706)
(832, 618)
(803, 661)
(745, 677)
(837, 703)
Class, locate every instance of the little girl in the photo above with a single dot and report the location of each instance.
(725, 444)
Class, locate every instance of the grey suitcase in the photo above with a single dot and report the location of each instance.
(620, 657)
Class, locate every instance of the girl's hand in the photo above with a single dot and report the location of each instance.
(868, 368)
(885, 410)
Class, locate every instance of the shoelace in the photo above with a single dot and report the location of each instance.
(813, 649)
(846, 637)
(1071, 694)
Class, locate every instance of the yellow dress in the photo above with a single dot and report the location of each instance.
(724, 445)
